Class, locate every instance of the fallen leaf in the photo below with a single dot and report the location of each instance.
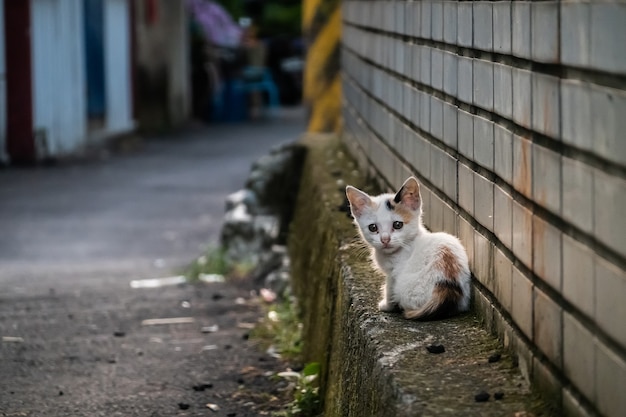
(210, 329)
(268, 295)
(213, 407)
(12, 339)
(172, 320)
(209, 347)
(211, 278)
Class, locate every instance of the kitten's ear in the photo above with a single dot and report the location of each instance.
(409, 194)
(358, 200)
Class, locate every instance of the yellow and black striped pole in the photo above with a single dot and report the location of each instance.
(322, 83)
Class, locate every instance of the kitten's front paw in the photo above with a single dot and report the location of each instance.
(385, 306)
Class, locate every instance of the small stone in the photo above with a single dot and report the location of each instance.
(240, 381)
(183, 406)
(436, 349)
(202, 387)
(231, 414)
(482, 397)
(246, 336)
(119, 333)
(217, 296)
(498, 395)
(60, 393)
(494, 358)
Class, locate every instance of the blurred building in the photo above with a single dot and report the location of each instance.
(162, 63)
(76, 73)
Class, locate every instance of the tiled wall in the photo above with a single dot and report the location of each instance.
(513, 116)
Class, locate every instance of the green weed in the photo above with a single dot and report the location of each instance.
(215, 262)
(281, 329)
(306, 402)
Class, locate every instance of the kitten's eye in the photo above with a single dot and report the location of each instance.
(373, 228)
(398, 225)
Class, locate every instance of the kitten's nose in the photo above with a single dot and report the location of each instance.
(385, 238)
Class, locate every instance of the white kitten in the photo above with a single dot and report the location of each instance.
(428, 275)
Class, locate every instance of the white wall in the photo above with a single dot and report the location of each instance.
(59, 79)
(59, 106)
(3, 91)
(117, 66)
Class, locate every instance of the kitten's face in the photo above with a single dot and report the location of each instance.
(387, 222)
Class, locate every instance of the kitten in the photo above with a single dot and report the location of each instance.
(427, 274)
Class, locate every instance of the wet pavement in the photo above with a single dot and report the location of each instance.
(73, 236)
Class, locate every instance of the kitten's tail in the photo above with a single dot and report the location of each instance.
(446, 299)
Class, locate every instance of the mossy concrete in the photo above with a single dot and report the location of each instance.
(374, 363)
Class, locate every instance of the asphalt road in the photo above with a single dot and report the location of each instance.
(73, 236)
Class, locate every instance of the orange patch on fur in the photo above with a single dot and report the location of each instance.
(448, 263)
(405, 213)
(446, 296)
(447, 290)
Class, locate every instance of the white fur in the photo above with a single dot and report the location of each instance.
(408, 258)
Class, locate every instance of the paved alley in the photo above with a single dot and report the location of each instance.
(73, 236)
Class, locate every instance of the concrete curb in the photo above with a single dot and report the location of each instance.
(373, 363)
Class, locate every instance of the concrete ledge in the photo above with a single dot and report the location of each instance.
(373, 363)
